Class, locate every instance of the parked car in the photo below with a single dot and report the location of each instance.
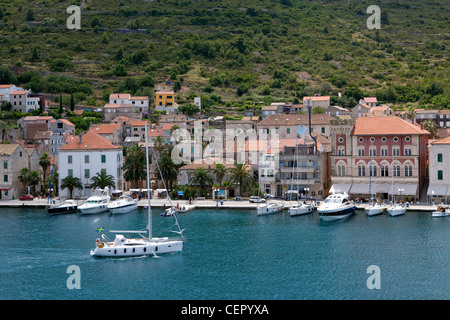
(26, 197)
(256, 199)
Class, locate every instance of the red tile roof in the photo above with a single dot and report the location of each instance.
(90, 141)
(387, 125)
(442, 141)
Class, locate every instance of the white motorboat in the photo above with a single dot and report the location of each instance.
(95, 204)
(146, 245)
(336, 207)
(375, 209)
(396, 210)
(122, 205)
(300, 209)
(176, 210)
(441, 212)
(269, 208)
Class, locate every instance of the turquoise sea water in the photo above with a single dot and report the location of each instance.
(228, 254)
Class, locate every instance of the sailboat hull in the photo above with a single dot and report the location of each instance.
(63, 210)
(137, 248)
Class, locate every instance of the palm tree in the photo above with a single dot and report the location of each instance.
(431, 126)
(24, 177)
(239, 175)
(220, 171)
(202, 177)
(71, 183)
(44, 162)
(4, 128)
(169, 170)
(102, 180)
(34, 179)
(135, 165)
(411, 114)
(159, 145)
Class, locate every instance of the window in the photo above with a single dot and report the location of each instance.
(440, 175)
(361, 152)
(5, 178)
(288, 130)
(87, 173)
(69, 159)
(361, 171)
(70, 172)
(339, 173)
(408, 171)
(5, 165)
(86, 159)
(103, 158)
(322, 130)
(439, 157)
(384, 171)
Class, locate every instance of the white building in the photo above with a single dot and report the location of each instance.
(6, 89)
(439, 173)
(84, 157)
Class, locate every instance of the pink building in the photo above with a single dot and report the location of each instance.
(380, 151)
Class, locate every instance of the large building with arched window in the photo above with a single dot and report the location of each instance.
(380, 155)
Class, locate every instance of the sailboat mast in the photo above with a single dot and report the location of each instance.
(149, 226)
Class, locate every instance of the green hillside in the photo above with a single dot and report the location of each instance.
(231, 51)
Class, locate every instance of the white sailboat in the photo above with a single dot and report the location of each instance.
(269, 207)
(374, 208)
(146, 245)
(298, 209)
(396, 209)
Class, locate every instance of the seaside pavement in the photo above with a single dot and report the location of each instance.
(208, 203)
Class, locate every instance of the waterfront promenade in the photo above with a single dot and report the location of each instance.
(198, 204)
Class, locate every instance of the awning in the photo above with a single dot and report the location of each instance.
(407, 189)
(437, 190)
(360, 188)
(340, 188)
(380, 188)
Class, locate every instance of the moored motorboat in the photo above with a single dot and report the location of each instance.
(441, 212)
(68, 206)
(122, 205)
(95, 204)
(336, 207)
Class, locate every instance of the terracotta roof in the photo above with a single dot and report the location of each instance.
(105, 128)
(387, 125)
(319, 98)
(5, 86)
(90, 141)
(370, 99)
(442, 141)
(139, 123)
(19, 92)
(295, 119)
(139, 98)
(119, 96)
(165, 92)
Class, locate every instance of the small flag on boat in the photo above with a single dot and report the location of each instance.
(101, 229)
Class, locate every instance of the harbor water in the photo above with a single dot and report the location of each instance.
(228, 254)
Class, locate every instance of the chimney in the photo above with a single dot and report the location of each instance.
(80, 137)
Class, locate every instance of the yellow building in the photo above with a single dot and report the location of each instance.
(165, 98)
